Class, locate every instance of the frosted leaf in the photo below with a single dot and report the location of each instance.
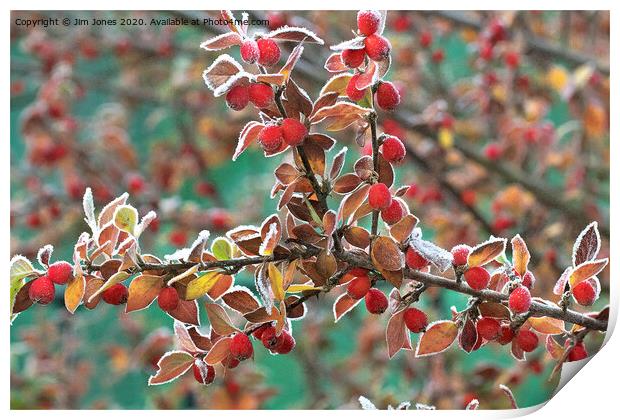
(225, 87)
(179, 254)
(263, 285)
(145, 222)
(89, 210)
(420, 406)
(366, 403)
(220, 71)
(44, 254)
(295, 34)
(439, 257)
(352, 44)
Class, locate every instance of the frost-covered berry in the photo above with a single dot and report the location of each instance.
(293, 131)
(286, 343)
(42, 290)
(237, 97)
(268, 52)
(376, 301)
(353, 58)
(60, 272)
(488, 328)
(115, 295)
(241, 346)
(415, 319)
(258, 333)
(271, 138)
(377, 47)
(527, 340)
(168, 299)
(394, 213)
(269, 338)
(379, 196)
(358, 287)
(249, 51)
(393, 149)
(368, 21)
(230, 362)
(261, 95)
(352, 91)
(387, 96)
(460, 254)
(584, 293)
(520, 299)
(203, 373)
(414, 260)
(477, 278)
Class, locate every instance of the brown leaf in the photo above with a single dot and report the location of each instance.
(486, 252)
(297, 99)
(386, 254)
(329, 222)
(334, 64)
(553, 348)
(587, 245)
(352, 202)
(221, 42)
(324, 141)
(221, 71)
(346, 183)
(547, 325)
(187, 312)
(326, 264)
(520, 255)
(295, 34)
(323, 101)
(171, 365)
(219, 320)
(357, 236)
(395, 333)
(494, 310)
(438, 337)
(92, 285)
(248, 134)
(241, 300)
(468, 336)
(344, 303)
(22, 299)
(403, 228)
(364, 167)
(219, 351)
(142, 292)
(286, 173)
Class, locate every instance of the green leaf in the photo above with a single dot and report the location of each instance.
(222, 249)
(126, 218)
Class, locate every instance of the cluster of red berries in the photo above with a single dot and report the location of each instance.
(361, 287)
(277, 344)
(491, 329)
(42, 289)
(392, 209)
(260, 94)
(263, 51)
(290, 131)
(376, 47)
(387, 95)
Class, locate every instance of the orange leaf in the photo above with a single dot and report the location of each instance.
(486, 252)
(520, 254)
(171, 365)
(75, 292)
(219, 351)
(546, 325)
(220, 322)
(344, 303)
(438, 337)
(142, 291)
(386, 254)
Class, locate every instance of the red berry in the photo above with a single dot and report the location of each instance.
(460, 254)
(477, 277)
(115, 295)
(219, 219)
(493, 151)
(506, 334)
(394, 213)
(414, 260)
(520, 299)
(261, 95)
(168, 299)
(512, 59)
(178, 238)
(502, 223)
(205, 188)
(426, 39)
(260, 330)
(33, 220)
(269, 52)
(135, 183)
(488, 328)
(438, 56)
(486, 51)
(387, 96)
(276, 19)
(269, 338)
(60, 272)
(241, 346)
(379, 196)
(42, 290)
(353, 58)
(528, 279)
(353, 92)
(368, 21)
(203, 373)
(271, 138)
(496, 31)
(415, 320)
(285, 344)
(293, 131)
(237, 97)
(393, 149)
(376, 301)
(358, 272)
(578, 352)
(527, 340)
(249, 51)
(377, 47)
(584, 293)
(358, 287)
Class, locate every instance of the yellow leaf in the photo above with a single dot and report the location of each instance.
(125, 218)
(275, 276)
(74, 293)
(298, 288)
(201, 286)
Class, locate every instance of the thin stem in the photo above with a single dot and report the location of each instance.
(375, 166)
